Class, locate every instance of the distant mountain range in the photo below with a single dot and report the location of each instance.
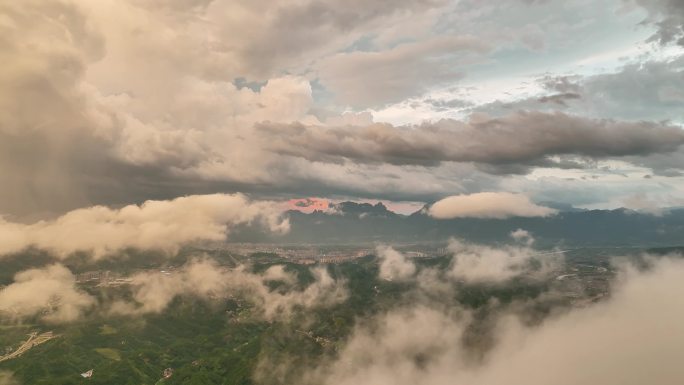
(352, 222)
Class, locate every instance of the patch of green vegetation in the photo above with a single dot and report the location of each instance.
(16, 326)
(106, 330)
(110, 353)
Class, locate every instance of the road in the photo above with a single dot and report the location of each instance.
(34, 339)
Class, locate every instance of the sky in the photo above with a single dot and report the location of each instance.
(116, 102)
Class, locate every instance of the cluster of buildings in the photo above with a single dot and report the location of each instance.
(310, 254)
(102, 278)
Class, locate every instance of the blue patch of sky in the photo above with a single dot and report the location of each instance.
(241, 83)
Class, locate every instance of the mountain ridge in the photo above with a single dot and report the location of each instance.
(349, 223)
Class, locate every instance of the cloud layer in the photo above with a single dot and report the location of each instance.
(487, 205)
(162, 225)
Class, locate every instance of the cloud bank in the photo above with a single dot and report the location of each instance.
(497, 205)
(162, 225)
(523, 136)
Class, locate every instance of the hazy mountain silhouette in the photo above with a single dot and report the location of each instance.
(352, 222)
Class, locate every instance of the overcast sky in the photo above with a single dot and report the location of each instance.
(116, 102)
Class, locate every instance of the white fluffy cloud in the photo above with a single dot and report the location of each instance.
(497, 205)
(473, 263)
(152, 292)
(164, 225)
(523, 236)
(49, 291)
(394, 265)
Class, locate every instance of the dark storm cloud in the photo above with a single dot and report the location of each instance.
(520, 137)
(649, 90)
(668, 18)
(559, 98)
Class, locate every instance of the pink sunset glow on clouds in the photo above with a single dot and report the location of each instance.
(308, 205)
(311, 204)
